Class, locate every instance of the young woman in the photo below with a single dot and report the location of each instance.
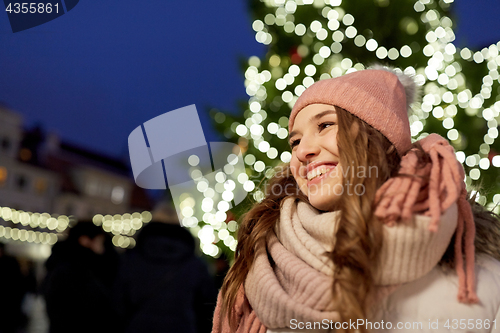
(360, 230)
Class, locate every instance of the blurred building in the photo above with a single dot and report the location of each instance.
(39, 173)
(23, 185)
(90, 183)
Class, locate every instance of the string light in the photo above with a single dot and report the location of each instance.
(121, 226)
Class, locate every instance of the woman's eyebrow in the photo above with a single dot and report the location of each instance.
(322, 114)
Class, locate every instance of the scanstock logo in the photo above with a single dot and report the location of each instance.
(26, 15)
(170, 151)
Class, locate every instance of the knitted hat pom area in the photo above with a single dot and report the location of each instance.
(381, 96)
(411, 89)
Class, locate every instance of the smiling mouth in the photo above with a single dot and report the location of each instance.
(319, 171)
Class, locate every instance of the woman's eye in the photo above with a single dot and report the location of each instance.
(324, 125)
(294, 143)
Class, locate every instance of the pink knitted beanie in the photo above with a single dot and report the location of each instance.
(376, 96)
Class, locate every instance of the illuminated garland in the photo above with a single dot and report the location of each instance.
(123, 227)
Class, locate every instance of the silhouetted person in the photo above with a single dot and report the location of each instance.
(77, 288)
(162, 286)
(12, 292)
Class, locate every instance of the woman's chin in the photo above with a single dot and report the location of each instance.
(324, 203)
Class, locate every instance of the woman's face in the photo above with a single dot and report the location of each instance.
(315, 155)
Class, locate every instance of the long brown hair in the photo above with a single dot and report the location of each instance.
(359, 236)
(487, 239)
(358, 240)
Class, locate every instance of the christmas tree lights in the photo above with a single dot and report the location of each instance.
(314, 40)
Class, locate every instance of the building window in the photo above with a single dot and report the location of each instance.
(3, 175)
(25, 154)
(21, 182)
(40, 186)
(117, 195)
(5, 143)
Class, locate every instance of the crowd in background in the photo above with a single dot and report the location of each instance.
(161, 285)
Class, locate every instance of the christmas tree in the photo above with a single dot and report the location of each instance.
(311, 40)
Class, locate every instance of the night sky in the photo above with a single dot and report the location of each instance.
(102, 69)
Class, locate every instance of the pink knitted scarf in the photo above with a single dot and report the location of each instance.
(440, 184)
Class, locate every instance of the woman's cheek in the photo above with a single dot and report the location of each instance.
(300, 175)
(294, 167)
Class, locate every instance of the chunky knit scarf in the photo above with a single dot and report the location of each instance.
(299, 284)
(440, 184)
(292, 275)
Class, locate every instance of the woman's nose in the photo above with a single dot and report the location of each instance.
(308, 148)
